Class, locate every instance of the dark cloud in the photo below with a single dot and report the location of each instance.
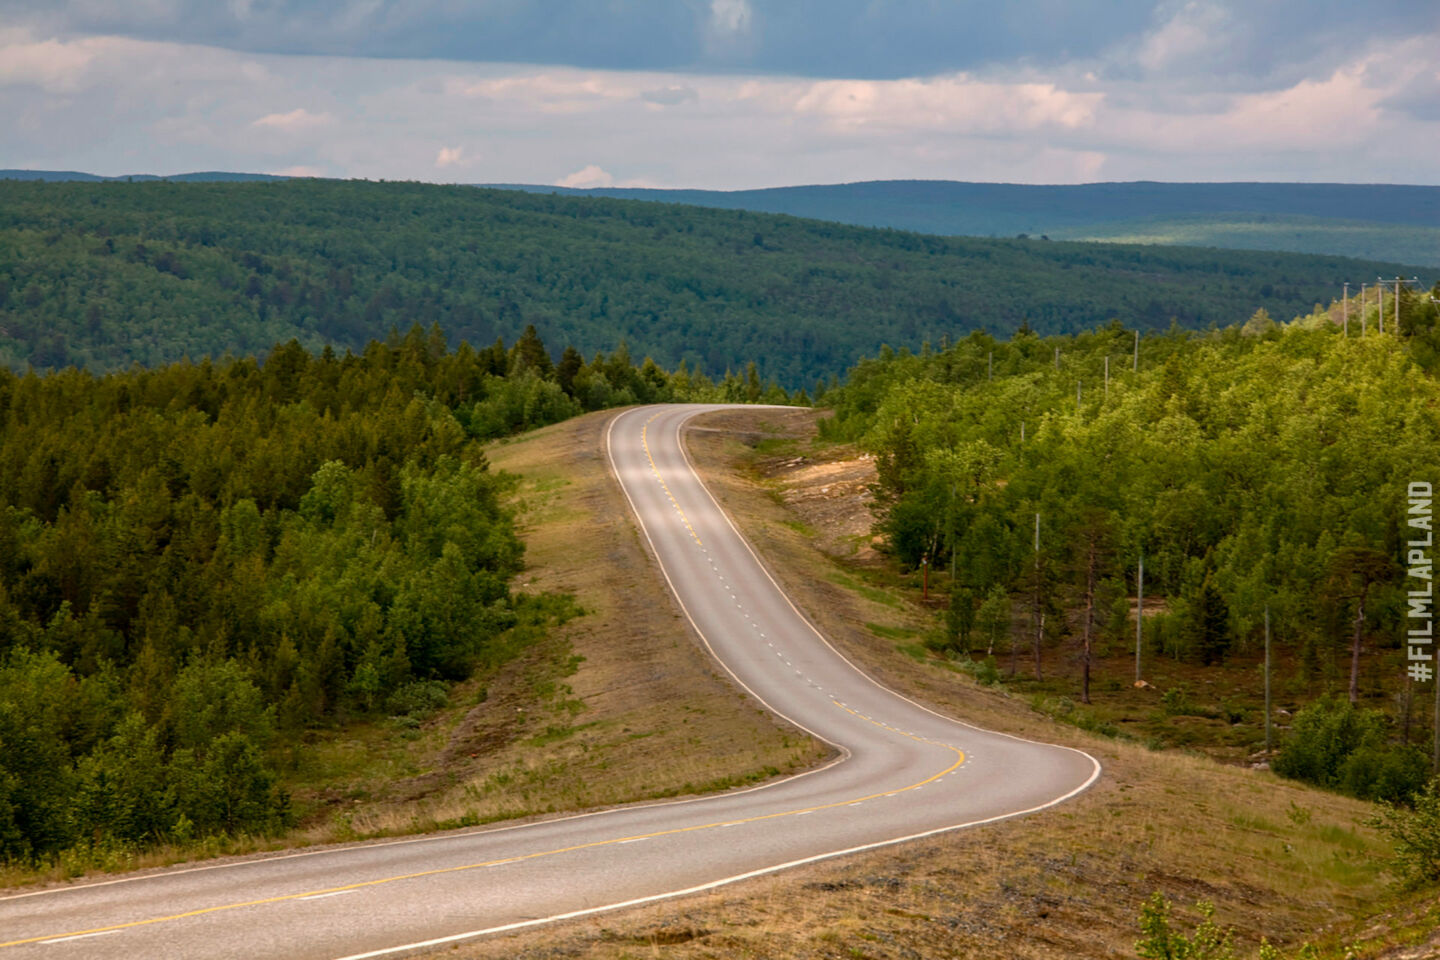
(820, 38)
(1419, 99)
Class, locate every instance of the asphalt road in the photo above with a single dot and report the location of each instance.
(905, 772)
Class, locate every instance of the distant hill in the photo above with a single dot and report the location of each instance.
(204, 176)
(1393, 222)
(103, 277)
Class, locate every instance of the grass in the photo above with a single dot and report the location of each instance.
(1401, 243)
(617, 704)
(1278, 859)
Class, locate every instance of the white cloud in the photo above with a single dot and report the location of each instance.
(52, 65)
(297, 119)
(730, 16)
(956, 104)
(588, 176)
(670, 96)
(1197, 32)
(115, 106)
(300, 170)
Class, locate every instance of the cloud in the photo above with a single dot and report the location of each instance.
(838, 39)
(1196, 33)
(51, 65)
(587, 177)
(300, 170)
(114, 106)
(1418, 97)
(297, 119)
(730, 16)
(670, 96)
(957, 105)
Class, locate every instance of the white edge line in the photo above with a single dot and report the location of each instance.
(80, 936)
(711, 885)
(935, 713)
(258, 859)
(1094, 774)
(610, 456)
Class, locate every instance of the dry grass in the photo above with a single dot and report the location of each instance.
(618, 705)
(1278, 859)
(548, 740)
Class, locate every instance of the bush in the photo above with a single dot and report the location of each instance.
(1381, 771)
(1343, 747)
(1209, 941)
(1176, 702)
(1159, 942)
(419, 699)
(1415, 834)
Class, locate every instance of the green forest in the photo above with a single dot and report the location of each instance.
(200, 561)
(1261, 467)
(104, 275)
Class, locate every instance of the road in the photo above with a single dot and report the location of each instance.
(903, 772)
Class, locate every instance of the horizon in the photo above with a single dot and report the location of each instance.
(746, 189)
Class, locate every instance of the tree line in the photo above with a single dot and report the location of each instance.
(1255, 468)
(200, 561)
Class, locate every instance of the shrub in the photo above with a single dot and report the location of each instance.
(1416, 835)
(418, 699)
(1335, 744)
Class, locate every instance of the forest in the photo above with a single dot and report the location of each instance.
(1260, 472)
(104, 275)
(200, 561)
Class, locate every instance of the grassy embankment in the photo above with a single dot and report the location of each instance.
(585, 717)
(1278, 859)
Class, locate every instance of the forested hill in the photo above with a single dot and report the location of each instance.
(104, 275)
(1378, 220)
(1261, 472)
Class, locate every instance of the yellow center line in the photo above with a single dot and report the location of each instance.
(645, 442)
(959, 759)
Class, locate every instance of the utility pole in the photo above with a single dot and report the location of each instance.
(1057, 358)
(1380, 292)
(990, 365)
(1107, 376)
(1022, 431)
(1346, 315)
(1139, 612)
(1039, 614)
(1077, 396)
(952, 536)
(1364, 320)
(1267, 678)
(1395, 309)
(1137, 350)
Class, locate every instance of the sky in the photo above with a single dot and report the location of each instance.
(726, 94)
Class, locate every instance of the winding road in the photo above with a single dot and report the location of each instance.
(903, 772)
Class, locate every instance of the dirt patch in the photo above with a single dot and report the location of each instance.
(831, 494)
(1277, 859)
(619, 704)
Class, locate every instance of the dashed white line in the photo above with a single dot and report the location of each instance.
(322, 896)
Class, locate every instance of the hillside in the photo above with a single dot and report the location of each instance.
(1384, 221)
(202, 176)
(104, 275)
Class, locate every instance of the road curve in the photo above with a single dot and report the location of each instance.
(904, 772)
